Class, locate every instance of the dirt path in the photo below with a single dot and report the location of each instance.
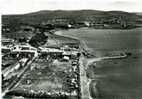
(92, 60)
(19, 77)
(84, 63)
(84, 81)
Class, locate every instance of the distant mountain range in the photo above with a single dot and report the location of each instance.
(45, 15)
(139, 13)
(104, 17)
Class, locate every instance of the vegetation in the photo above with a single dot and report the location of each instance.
(38, 40)
(124, 19)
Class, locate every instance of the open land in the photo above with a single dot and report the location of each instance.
(47, 77)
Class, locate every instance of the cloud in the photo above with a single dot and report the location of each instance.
(122, 3)
(127, 5)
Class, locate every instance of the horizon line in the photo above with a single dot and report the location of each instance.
(71, 10)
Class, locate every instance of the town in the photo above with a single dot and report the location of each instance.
(39, 63)
(40, 71)
(46, 65)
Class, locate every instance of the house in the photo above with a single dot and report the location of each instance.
(71, 50)
(25, 50)
(55, 52)
(70, 45)
(7, 41)
(5, 28)
(27, 28)
(66, 58)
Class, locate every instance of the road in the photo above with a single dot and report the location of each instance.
(85, 93)
(19, 76)
(84, 63)
(92, 60)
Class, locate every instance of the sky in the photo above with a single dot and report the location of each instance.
(27, 6)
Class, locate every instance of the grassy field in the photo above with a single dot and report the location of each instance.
(55, 40)
(45, 77)
(119, 78)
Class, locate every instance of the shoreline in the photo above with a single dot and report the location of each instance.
(83, 46)
(90, 60)
(84, 81)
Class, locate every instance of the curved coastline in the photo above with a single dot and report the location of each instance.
(83, 48)
(89, 61)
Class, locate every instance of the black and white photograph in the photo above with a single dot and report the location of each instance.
(71, 49)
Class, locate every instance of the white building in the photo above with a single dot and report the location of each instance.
(25, 49)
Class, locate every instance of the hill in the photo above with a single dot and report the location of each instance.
(77, 15)
(72, 17)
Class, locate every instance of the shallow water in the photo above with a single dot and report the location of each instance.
(122, 78)
(101, 41)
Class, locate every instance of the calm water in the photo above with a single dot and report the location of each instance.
(121, 78)
(100, 41)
